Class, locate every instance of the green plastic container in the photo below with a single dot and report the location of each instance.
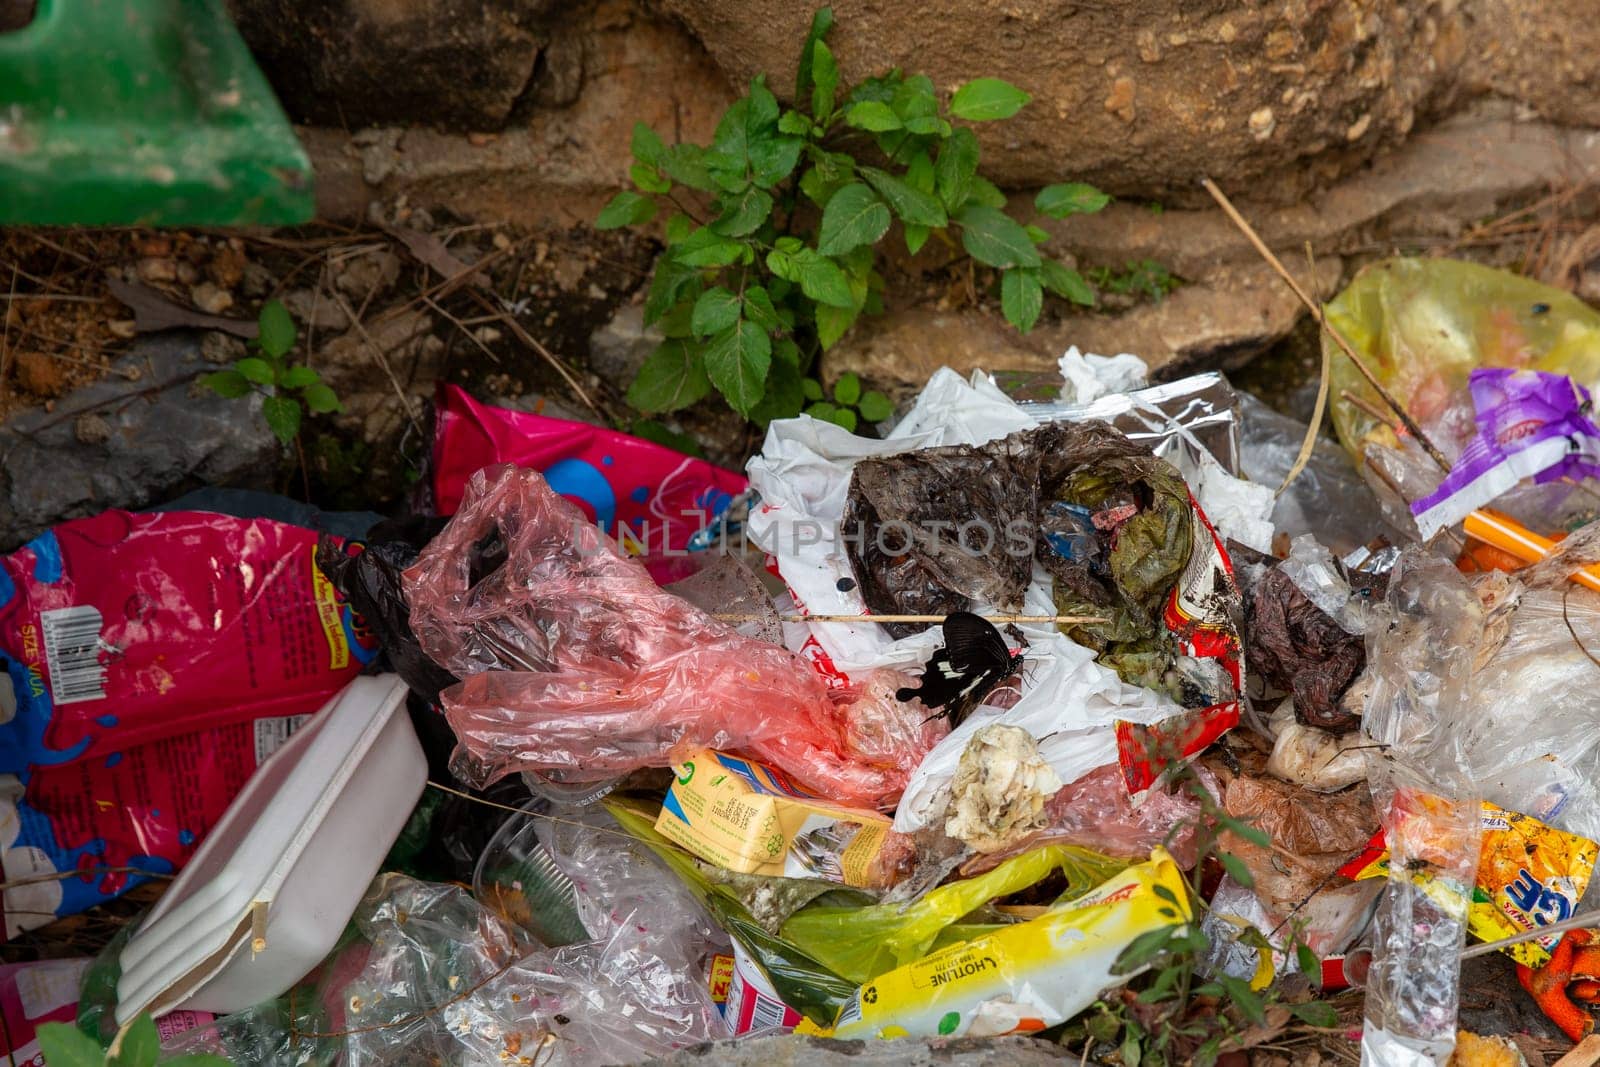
(142, 112)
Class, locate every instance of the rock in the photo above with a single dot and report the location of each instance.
(619, 347)
(315, 309)
(210, 298)
(360, 276)
(1220, 322)
(458, 63)
(124, 444)
(221, 348)
(791, 1050)
(40, 375)
(1143, 98)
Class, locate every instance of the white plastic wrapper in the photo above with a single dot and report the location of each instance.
(1089, 377)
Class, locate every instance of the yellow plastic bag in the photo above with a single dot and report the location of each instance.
(862, 943)
(1027, 977)
(1422, 325)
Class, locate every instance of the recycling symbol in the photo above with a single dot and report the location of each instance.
(870, 994)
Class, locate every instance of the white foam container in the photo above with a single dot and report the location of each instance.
(299, 844)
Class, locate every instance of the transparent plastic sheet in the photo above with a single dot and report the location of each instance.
(575, 662)
(1421, 681)
(1328, 498)
(1532, 731)
(436, 978)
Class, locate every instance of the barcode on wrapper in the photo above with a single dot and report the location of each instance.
(768, 1013)
(72, 651)
(272, 733)
(851, 1012)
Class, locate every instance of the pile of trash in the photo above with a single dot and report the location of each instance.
(1056, 702)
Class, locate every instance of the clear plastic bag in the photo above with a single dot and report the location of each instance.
(436, 978)
(574, 662)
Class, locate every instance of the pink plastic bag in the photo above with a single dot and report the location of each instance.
(576, 664)
(652, 499)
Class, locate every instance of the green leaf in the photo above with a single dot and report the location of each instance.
(715, 311)
(256, 370)
(833, 322)
(762, 113)
(915, 98)
(668, 284)
(661, 434)
(994, 238)
(823, 281)
(671, 378)
(743, 214)
(320, 399)
(283, 416)
(141, 1044)
(679, 322)
(277, 329)
(1129, 1053)
(955, 168)
(1236, 869)
(830, 172)
(1066, 283)
(1164, 985)
(985, 99)
(919, 173)
(625, 209)
(844, 417)
(794, 122)
(1102, 1026)
(1035, 234)
(874, 406)
(910, 204)
(812, 389)
(758, 309)
(825, 80)
(821, 410)
(853, 217)
(1021, 297)
(678, 227)
(1070, 198)
(785, 394)
(984, 192)
(1247, 1000)
(64, 1045)
(298, 377)
(227, 383)
(1309, 965)
(1163, 893)
(647, 179)
(704, 248)
(872, 115)
(916, 237)
(737, 360)
(1253, 834)
(926, 124)
(686, 165)
(1316, 1013)
(772, 159)
(821, 23)
(847, 390)
(647, 146)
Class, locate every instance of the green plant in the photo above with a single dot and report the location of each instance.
(1179, 1015)
(139, 1045)
(291, 389)
(774, 231)
(1144, 276)
(848, 406)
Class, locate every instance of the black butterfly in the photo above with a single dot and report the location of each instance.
(972, 662)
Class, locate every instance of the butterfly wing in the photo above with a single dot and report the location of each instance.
(972, 662)
(974, 644)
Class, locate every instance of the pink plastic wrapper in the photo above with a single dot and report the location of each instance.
(652, 499)
(577, 665)
(122, 629)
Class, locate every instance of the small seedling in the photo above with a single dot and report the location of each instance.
(849, 406)
(778, 226)
(291, 389)
(1144, 277)
(64, 1045)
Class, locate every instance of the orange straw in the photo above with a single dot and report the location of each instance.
(1508, 535)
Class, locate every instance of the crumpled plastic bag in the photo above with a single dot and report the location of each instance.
(436, 977)
(1422, 326)
(861, 943)
(575, 663)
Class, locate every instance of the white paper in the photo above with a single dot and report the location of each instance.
(1089, 377)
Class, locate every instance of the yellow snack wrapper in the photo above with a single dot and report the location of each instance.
(1529, 874)
(1022, 978)
(750, 818)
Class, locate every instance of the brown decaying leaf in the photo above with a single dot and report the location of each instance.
(153, 312)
